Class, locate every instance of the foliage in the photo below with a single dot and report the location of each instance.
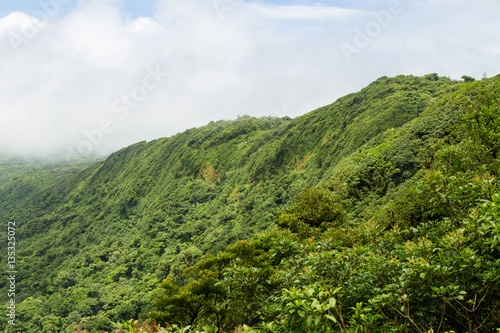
(385, 202)
(391, 266)
(312, 208)
(217, 294)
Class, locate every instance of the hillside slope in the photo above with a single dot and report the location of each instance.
(378, 246)
(92, 246)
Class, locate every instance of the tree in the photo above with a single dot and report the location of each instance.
(225, 290)
(432, 77)
(312, 208)
(467, 78)
(176, 305)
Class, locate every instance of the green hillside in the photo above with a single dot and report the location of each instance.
(341, 182)
(13, 167)
(367, 251)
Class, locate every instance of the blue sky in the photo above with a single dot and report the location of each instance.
(136, 8)
(103, 74)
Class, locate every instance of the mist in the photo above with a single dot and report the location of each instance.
(91, 78)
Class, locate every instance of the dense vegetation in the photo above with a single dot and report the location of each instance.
(378, 212)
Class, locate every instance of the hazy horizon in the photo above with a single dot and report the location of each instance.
(91, 77)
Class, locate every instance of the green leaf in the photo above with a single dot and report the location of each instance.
(332, 318)
(332, 302)
(309, 320)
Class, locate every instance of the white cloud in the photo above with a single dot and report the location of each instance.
(144, 25)
(18, 23)
(250, 59)
(303, 12)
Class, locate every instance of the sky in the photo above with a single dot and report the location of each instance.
(89, 77)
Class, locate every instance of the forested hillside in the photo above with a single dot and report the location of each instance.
(375, 213)
(13, 167)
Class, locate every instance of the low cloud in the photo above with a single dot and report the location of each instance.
(62, 76)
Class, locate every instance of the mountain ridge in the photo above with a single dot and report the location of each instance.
(152, 209)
